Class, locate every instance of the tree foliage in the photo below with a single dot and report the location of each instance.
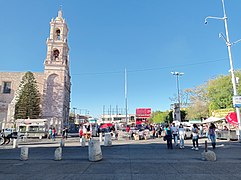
(28, 98)
(184, 96)
(220, 93)
(158, 117)
(170, 116)
(198, 105)
(165, 117)
(216, 94)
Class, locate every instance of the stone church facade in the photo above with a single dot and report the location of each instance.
(53, 84)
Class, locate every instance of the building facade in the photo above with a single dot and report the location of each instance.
(53, 84)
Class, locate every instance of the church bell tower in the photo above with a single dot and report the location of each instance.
(56, 93)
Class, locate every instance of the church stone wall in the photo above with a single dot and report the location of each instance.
(6, 98)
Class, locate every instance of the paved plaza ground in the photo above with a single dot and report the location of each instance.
(127, 160)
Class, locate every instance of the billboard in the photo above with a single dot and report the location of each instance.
(143, 112)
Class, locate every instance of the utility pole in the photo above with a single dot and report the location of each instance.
(229, 44)
(177, 108)
(74, 113)
(126, 95)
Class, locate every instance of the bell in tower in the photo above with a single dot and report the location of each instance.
(57, 46)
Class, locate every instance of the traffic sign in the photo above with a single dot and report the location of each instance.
(237, 101)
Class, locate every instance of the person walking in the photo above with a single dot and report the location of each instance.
(66, 133)
(50, 133)
(63, 132)
(174, 133)
(168, 136)
(53, 134)
(195, 137)
(201, 130)
(181, 132)
(80, 133)
(212, 134)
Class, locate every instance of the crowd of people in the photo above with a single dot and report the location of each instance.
(52, 133)
(173, 133)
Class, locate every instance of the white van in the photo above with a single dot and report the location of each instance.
(33, 128)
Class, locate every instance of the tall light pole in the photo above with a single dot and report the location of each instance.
(228, 43)
(178, 115)
(126, 102)
(74, 108)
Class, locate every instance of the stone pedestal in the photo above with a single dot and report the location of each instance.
(107, 141)
(208, 156)
(100, 137)
(24, 154)
(15, 143)
(58, 154)
(95, 153)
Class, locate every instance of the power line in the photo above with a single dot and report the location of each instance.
(152, 69)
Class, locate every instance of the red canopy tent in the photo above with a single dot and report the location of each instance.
(232, 118)
(106, 125)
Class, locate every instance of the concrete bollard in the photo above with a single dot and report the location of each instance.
(24, 154)
(82, 141)
(94, 149)
(15, 143)
(208, 156)
(100, 136)
(61, 143)
(107, 141)
(58, 154)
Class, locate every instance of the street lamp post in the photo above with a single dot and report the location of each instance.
(74, 113)
(126, 113)
(224, 18)
(177, 74)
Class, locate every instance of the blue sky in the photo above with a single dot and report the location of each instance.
(150, 38)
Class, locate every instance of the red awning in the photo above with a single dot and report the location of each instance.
(106, 125)
(232, 118)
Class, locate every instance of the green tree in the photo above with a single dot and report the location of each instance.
(28, 98)
(198, 103)
(220, 93)
(216, 94)
(158, 117)
(169, 118)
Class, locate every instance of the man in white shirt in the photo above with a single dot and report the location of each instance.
(174, 130)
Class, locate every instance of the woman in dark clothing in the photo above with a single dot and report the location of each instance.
(168, 136)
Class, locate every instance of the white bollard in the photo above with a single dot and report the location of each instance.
(58, 154)
(107, 141)
(24, 154)
(94, 149)
(208, 156)
(100, 136)
(15, 143)
(82, 141)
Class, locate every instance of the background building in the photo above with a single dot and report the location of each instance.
(53, 84)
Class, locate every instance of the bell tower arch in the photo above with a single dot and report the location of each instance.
(56, 93)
